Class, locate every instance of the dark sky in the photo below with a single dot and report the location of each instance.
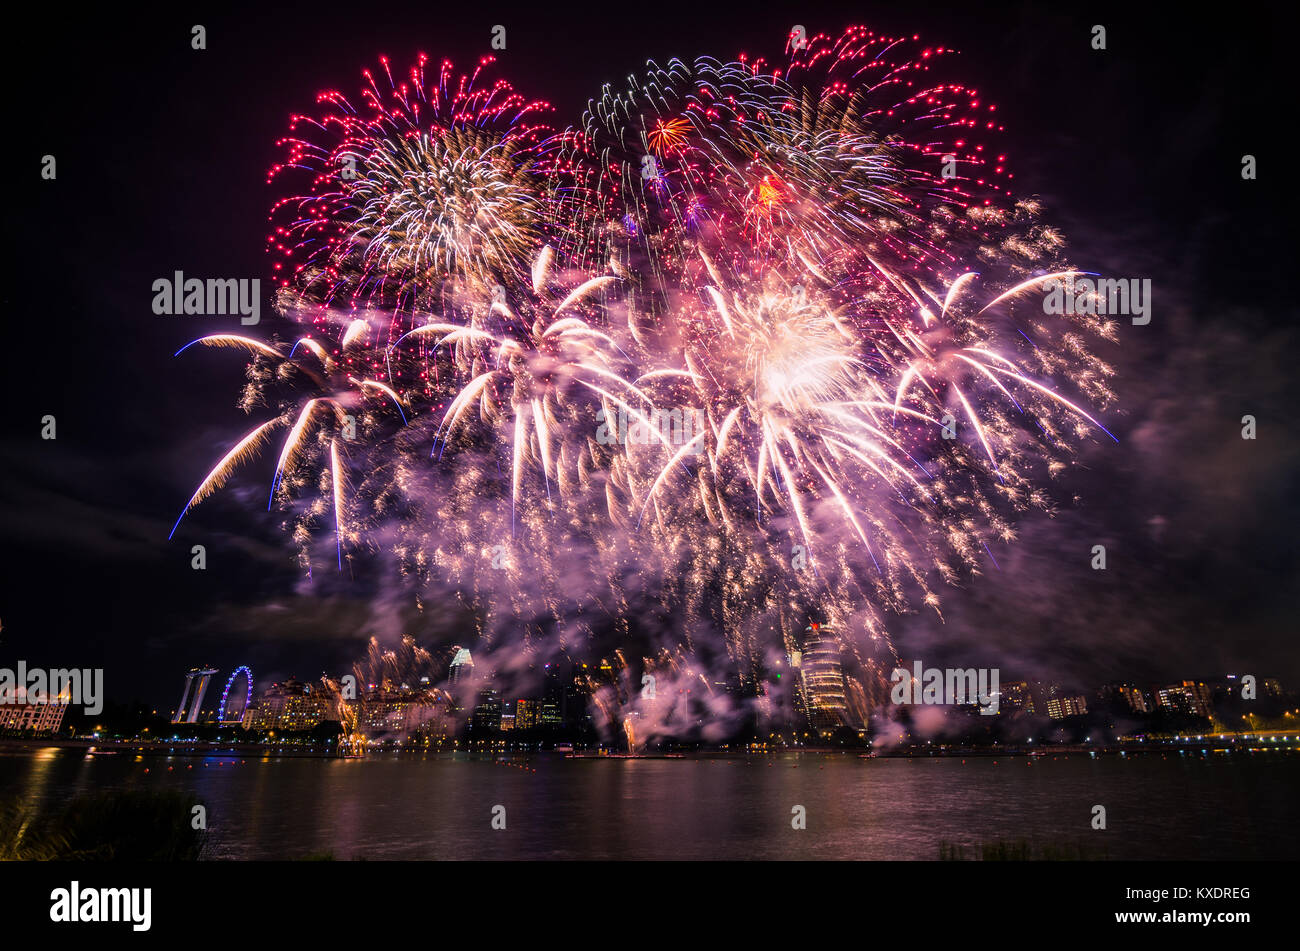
(162, 154)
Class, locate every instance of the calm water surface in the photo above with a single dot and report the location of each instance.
(1159, 806)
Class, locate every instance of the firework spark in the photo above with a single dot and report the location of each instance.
(431, 185)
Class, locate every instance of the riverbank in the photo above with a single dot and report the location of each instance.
(1221, 744)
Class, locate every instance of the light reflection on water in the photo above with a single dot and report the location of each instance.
(1158, 806)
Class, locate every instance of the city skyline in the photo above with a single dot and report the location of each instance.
(564, 710)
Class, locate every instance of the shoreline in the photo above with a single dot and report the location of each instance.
(263, 751)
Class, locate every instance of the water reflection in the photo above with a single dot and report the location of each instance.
(439, 807)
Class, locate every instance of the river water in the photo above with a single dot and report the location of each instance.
(1158, 806)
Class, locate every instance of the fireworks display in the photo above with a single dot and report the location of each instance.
(428, 187)
(747, 345)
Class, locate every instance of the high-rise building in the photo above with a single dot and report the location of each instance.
(1191, 698)
(823, 679)
(462, 666)
(1058, 708)
(574, 704)
(1127, 696)
(292, 705)
(1041, 692)
(402, 710)
(196, 685)
(1016, 695)
(1174, 699)
(526, 713)
(1201, 697)
(551, 711)
(486, 717)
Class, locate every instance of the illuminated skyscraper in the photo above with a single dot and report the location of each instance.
(525, 714)
(1058, 708)
(1191, 698)
(462, 666)
(292, 705)
(823, 679)
(486, 717)
(196, 685)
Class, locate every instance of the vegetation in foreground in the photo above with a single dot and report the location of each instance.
(124, 826)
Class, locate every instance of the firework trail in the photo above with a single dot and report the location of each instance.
(748, 344)
(316, 393)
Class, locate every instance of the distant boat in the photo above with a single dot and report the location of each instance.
(564, 747)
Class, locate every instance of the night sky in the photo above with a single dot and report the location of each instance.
(162, 154)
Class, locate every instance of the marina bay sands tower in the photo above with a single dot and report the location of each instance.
(196, 685)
